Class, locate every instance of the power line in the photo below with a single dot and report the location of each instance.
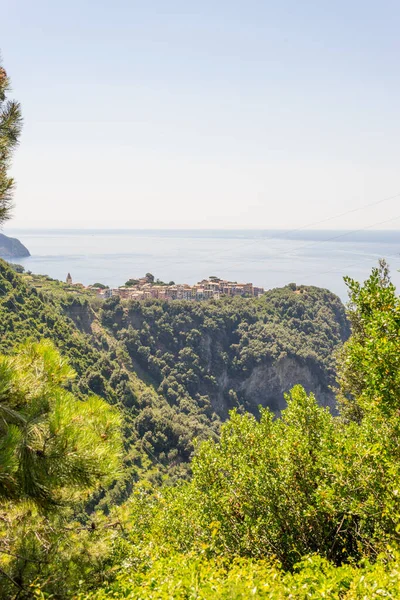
(334, 269)
(347, 212)
(333, 238)
(281, 235)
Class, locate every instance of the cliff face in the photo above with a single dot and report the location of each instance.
(267, 383)
(226, 354)
(12, 248)
(175, 369)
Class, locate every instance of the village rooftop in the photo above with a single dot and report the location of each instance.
(146, 288)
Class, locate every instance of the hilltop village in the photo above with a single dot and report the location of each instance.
(147, 287)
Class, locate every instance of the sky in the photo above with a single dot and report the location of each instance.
(212, 114)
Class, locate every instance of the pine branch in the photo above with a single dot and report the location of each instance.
(7, 576)
(32, 560)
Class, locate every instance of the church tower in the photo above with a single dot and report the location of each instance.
(69, 279)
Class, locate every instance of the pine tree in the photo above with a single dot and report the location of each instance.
(10, 129)
(53, 447)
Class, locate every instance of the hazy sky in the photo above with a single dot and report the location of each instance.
(219, 114)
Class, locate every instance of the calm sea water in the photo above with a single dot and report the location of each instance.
(266, 258)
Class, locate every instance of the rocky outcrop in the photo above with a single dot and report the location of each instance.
(12, 248)
(267, 384)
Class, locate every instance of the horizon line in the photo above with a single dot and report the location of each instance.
(294, 230)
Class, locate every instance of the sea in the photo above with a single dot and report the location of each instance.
(267, 258)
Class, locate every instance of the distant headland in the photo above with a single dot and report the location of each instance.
(12, 248)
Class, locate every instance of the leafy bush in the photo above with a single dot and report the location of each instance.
(306, 506)
(201, 579)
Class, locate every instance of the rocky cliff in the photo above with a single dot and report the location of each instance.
(265, 384)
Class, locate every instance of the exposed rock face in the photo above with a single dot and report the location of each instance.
(12, 248)
(267, 384)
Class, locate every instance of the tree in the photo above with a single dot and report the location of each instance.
(149, 277)
(131, 282)
(17, 268)
(369, 363)
(53, 447)
(10, 129)
(101, 286)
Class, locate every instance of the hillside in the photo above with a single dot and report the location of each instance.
(266, 507)
(12, 248)
(234, 352)
(158, 437)
(175, 369)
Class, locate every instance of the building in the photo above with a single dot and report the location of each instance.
(68, 281)
(122, 292)
(212, 288)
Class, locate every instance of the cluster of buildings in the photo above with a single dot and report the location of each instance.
(213, 287)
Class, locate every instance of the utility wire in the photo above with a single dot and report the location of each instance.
(347, 212)
(280, 235)
(330, 239)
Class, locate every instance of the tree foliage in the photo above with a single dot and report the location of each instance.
(52, 444)
(204, 579)
(10, 129)
(54, 450)
(369, 368)
(158, 438)
(207, 351)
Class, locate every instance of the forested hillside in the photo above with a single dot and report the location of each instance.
(301, 506)
(158, 436)
(175, 369)
(233, 352)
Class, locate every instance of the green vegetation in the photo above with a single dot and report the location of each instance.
(149, 279)
(158, 438)
(54, 450)
(10, 129)
(101, 286)
(117, 479)
(17, 268)
(209, 352)
(304, 506)
(51, 442)
(131, 282)
(204, 579)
